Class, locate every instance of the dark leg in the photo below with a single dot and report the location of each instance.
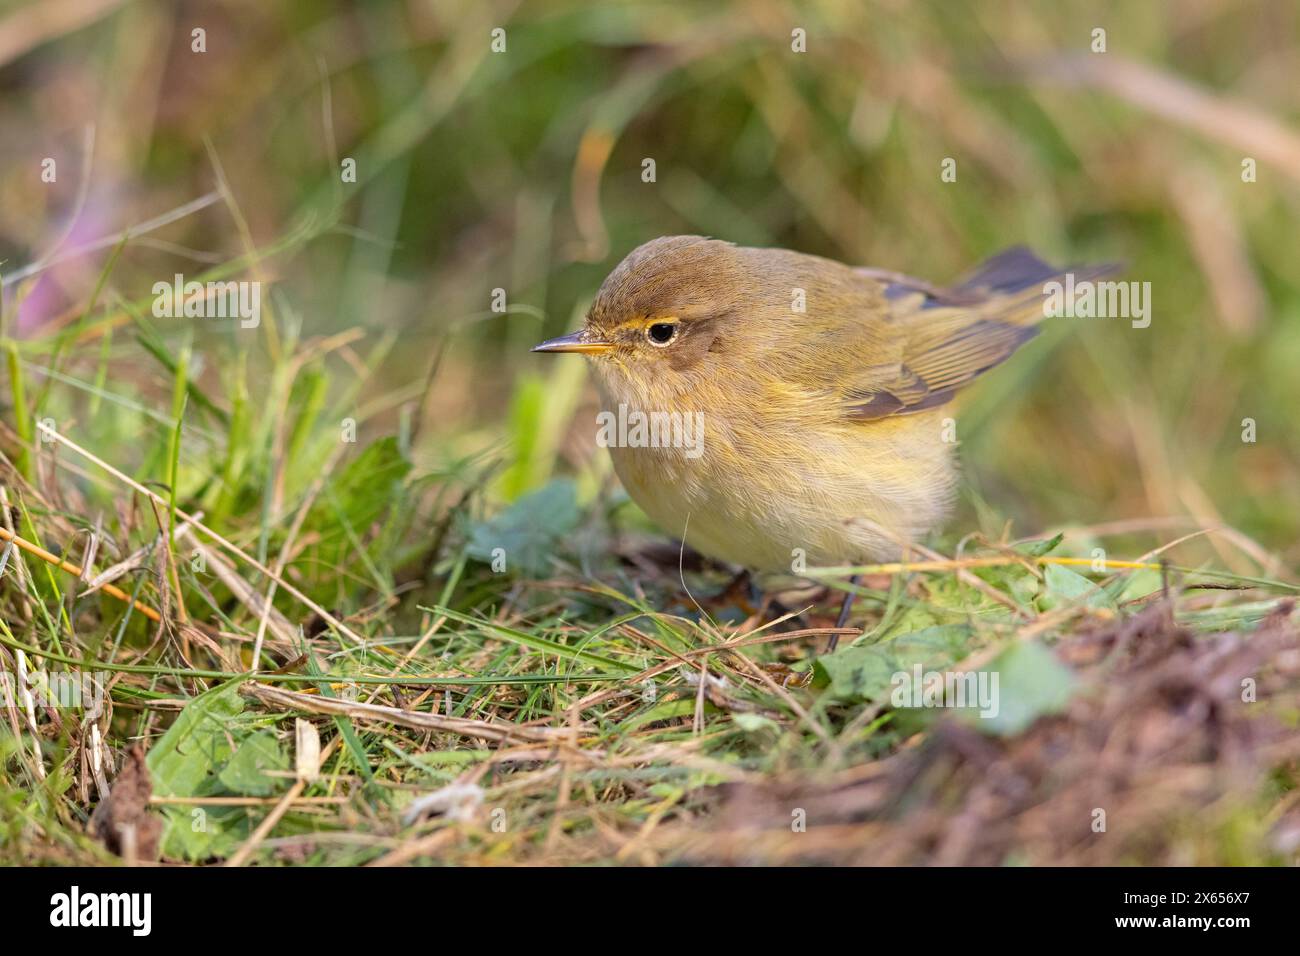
(844, 612)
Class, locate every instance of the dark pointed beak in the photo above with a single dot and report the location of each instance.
(574, 342)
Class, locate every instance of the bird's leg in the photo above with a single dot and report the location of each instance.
(844, 612)
(764, 606)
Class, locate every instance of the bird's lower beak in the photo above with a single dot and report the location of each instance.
(575, 342)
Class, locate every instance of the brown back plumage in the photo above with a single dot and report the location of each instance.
(869, 344)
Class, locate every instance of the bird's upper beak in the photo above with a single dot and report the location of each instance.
(580, 341)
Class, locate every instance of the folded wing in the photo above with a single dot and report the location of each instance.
(946, 338)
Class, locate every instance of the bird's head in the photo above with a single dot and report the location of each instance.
(668, 314)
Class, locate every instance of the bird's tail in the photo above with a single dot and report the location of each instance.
(1015, 285)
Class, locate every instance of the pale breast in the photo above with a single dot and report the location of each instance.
(832, 496)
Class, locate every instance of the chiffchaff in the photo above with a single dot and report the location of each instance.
(823, 391)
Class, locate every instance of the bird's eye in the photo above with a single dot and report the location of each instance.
(661, 333)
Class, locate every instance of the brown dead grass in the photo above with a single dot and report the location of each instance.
(1158, 737)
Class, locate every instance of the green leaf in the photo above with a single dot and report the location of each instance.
(855, 673)
(187, 762)
(1027, 682)
(1139, 584)
(528, 531)
(1036, 549)
(246, 771)
(1063, 586)
(867, 672)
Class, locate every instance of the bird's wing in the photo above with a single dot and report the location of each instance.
(944, 338)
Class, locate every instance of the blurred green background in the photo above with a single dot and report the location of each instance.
(522, 170)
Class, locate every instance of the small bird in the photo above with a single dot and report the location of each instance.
(822, 389)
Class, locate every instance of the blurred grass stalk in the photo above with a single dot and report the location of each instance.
(23, 421)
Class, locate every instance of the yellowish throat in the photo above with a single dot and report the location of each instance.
(823, 390)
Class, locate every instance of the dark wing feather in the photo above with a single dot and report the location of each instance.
(1013, 270)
